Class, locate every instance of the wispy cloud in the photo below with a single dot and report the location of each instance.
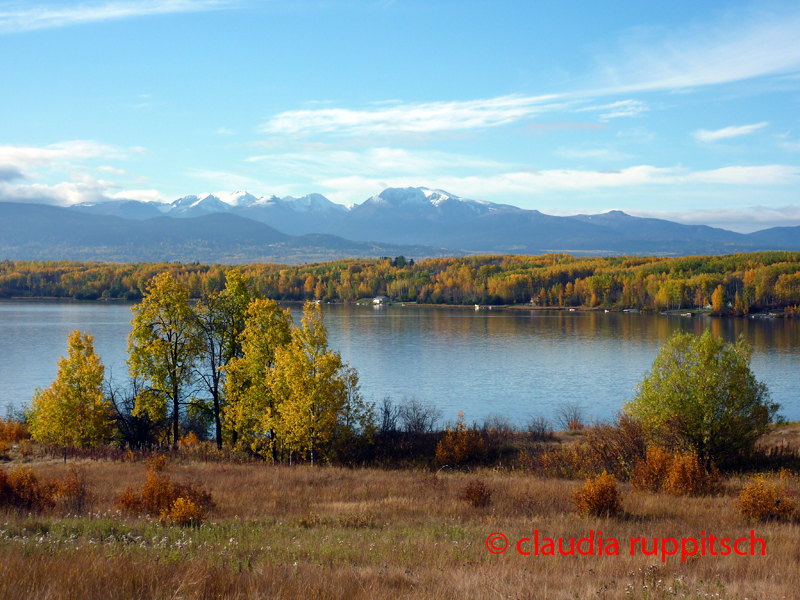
(565, 126)
(727, 132)
(413, 118)
(47, 16)
(621, 108)
(790, 146)
(26, 157)
(745, 45)
(377, 161)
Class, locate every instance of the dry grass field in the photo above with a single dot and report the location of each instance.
(329, 532)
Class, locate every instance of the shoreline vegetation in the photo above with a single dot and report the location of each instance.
(308, 491)
(374, 532)
(737, 285)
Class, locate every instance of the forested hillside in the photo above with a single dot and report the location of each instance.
(735, 283)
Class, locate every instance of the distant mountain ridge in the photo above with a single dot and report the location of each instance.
(41, 232)
(436, 219)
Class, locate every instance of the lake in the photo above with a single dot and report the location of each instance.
(512, 363)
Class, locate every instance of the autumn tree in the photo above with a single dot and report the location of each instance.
(315, 393)
(702, 390)
(249, 399)
(73, 410)
(221, 321)
(718, 300)
(164, 347)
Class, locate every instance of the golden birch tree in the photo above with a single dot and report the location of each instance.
(73, 410)
(314, 391)
(249, 399)
(163, 349)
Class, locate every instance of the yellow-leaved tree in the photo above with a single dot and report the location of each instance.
(164, 347)
(249, 399)
(73, 410)
(315, 393)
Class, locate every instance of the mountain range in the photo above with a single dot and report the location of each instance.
(419, 222)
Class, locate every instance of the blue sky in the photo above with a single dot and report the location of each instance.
(687, 111)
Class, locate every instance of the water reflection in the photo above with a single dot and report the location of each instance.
(514, 363)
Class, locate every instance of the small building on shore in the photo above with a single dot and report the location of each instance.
(381, 300)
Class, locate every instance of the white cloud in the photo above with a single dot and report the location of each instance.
(140, 195)
(27, 157)
(744, 45)
(752, 175)
(48, 16)
(621, 108)
(727, 132)
(384, 161)
(413, 118)
(530, 185)
(86, 189)
(16, 162)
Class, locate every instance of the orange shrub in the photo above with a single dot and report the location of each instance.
(183, 513)
(13, 431)
(129, 501)
(460, 445)
(477, 493)
(688, 476)
(24, 490)
(194, 491)
(598, 496)
(190, 439)
(157, 493)
(156, 462)
(74, 492)
(762, 501)
(651, 473)
(679, 473)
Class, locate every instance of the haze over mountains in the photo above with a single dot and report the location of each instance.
(418, 222)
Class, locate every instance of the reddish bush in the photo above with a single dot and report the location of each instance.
(159, 494)
(22, 489)
(477, 493)
(74, 492)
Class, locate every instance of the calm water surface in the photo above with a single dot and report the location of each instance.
(513, 363)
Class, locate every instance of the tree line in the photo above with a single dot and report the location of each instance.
(233, 362)
(735, 284)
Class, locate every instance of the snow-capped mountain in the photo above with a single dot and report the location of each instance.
(197, 206)
(415, 198)
(423, 216)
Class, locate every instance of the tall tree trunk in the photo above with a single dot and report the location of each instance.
(175, 416)
(218, 423)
